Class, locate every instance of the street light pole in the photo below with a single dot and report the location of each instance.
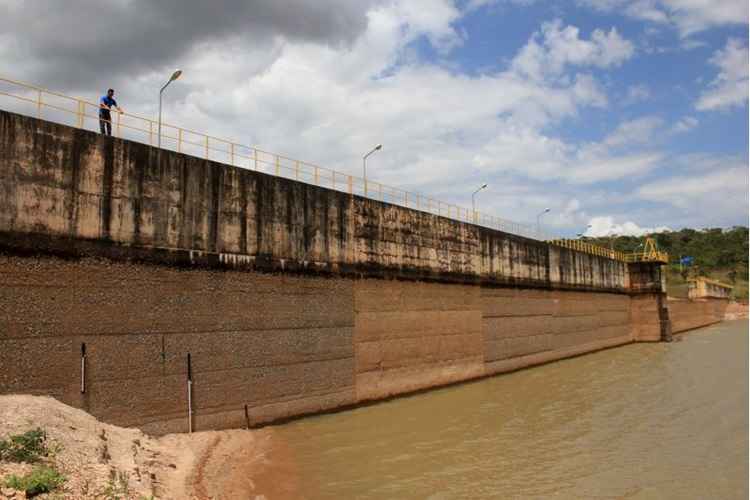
(172, 78)
(473, 195)
(538, 221)
(473, 202)
(364, 164)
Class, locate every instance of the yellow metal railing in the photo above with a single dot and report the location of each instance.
(711, 282)
(652, 255)
(583, 246)
(662, 257)
(60, 108)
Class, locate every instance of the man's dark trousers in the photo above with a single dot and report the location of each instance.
(105, 122)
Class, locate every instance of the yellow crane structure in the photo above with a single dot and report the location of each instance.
(650, 253)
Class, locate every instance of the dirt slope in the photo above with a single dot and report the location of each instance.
(97, 457)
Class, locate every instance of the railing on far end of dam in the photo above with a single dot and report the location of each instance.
(651, 255)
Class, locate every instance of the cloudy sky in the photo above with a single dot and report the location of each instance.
(626, 115)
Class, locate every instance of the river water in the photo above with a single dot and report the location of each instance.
(639, 421)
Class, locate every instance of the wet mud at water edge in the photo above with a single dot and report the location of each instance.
(639, 421)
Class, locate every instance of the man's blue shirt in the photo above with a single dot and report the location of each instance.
(107, 101)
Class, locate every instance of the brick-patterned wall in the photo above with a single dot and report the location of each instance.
(281, 344)
(414, 335)
(523, 327)
(646, 324)
(689, 314)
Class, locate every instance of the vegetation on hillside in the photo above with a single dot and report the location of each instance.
(717, 253)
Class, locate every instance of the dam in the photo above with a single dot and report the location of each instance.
(129, 271)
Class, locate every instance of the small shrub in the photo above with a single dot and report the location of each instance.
(28, 447)
(117, 487)
(40, 480)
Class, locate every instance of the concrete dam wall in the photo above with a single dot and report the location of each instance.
(690, 314)
(289, 298)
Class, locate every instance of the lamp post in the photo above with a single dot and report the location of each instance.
(172, 78)
(473, 201)
(364, 164)
(539, 222)
(473, 196)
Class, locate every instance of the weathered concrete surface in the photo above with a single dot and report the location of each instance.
(284, 345)
(281, 344)
(649, 318)
(702, 288)
(414, 335)
(74, 192)
(357, 300)
(690, 314)
(524, 327)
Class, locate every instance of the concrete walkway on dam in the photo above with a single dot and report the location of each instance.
(286, 298)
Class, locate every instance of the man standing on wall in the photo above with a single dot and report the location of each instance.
(105, 105)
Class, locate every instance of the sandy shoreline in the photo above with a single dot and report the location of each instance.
(95, 456)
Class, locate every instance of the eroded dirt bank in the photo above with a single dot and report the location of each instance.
(99, 459)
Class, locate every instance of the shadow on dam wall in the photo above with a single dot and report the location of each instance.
(290, 298)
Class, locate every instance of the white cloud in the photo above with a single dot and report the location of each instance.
(687, 16)
(606, 226)
(685, 124)
(637, 93)
(730, 87)
(717, 197)
(692, 16)
(556, 46)
(637, 131)
(430, 119)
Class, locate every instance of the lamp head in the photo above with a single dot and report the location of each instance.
(546, 210)
(483, 186)
(175, 75)
(378, 147)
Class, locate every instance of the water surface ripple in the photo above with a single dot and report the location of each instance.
(639, 421)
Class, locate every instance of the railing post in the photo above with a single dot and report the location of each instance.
(207, 147)
(296, 170)
(179, 140)
(150, 133)
(380, 191)
(117, 131)
(255, 156)
(278, 166)
(316, 175)
(349, 183)
(39, 104)
(333, 179)
(80, 114)
(231, 154)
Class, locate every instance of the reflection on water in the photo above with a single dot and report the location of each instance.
(640, 421)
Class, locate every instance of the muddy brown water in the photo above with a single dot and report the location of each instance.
(639, 421)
